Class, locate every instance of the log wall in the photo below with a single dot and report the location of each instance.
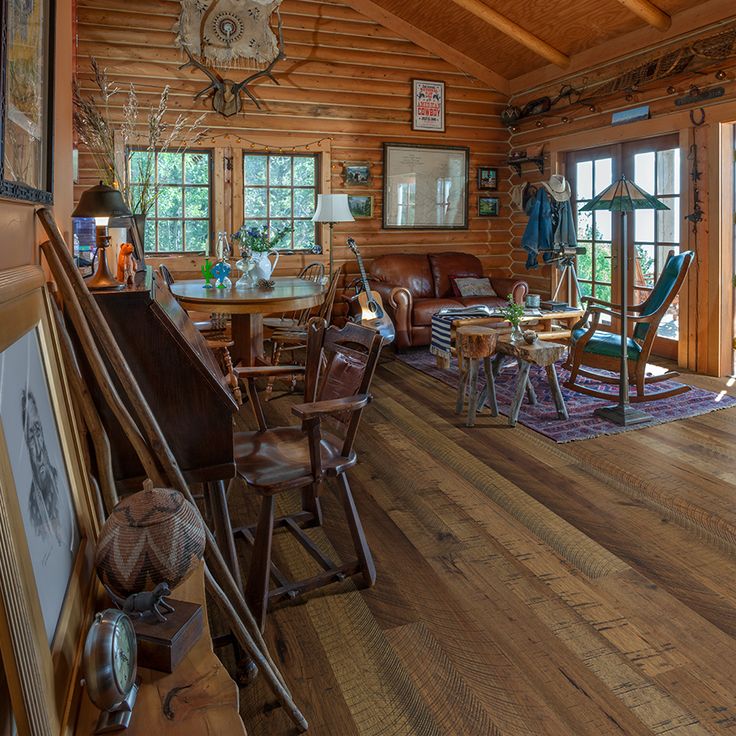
(346, 78)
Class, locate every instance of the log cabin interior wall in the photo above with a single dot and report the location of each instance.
(346, 77)
(706, 347)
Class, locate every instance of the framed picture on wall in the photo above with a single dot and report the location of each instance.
(47, 519)
(357, 174)
(428, 105)
(361, 206)
(425, 187)
(488, 206)
(487, 178)
(26, 100)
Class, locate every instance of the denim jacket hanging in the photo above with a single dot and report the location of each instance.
(551, 225)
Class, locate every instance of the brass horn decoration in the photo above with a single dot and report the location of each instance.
(235, 35)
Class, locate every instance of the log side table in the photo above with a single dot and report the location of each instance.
(475, 345)
(542, 353)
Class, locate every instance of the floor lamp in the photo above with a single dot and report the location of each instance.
(332, 208)
(623, 196)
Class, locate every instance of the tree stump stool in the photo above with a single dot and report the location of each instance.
(541, 353)
(475, 345)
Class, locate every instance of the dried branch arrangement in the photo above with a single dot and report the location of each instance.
(148, 131)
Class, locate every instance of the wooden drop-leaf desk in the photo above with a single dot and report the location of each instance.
(198, 699)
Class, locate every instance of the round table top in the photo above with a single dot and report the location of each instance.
(288, 294)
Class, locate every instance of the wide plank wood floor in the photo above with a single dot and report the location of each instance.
(524, 588)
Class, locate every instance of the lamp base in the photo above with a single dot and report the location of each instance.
(102, 280)
(623, 415)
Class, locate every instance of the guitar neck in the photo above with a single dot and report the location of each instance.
(361, 267)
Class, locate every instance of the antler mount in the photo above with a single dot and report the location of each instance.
(227, 94)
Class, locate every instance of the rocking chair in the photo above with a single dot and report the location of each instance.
(338, 374)
(601, 350)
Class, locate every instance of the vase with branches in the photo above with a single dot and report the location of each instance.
(113, 144)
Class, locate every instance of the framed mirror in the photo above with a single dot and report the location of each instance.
(425, 187)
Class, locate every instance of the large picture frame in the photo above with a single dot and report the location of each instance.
(27, 99)
(48, 522)
(414, 177)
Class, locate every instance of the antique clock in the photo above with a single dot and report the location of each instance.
(109, 667)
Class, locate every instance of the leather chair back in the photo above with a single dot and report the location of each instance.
(445, 266)
(410, 271)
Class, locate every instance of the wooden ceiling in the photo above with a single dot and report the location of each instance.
(509, 43)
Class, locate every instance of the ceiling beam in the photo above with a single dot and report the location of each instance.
(649, 13)
(683, 23)
(430, 43)
(515, 31)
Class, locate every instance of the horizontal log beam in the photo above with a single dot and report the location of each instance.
(649, 13)
(515, 31)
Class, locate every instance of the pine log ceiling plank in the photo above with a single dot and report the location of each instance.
(515, 31)
(699, 15)
(450, 54)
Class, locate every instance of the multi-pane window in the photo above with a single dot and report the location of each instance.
(180, 196)
(281, 191)
(656, 233)
(591, 176)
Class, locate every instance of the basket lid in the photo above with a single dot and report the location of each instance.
(149, 507)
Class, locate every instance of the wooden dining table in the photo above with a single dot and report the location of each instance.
(247, 307)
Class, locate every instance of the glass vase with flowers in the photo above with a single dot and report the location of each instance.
(257, 245)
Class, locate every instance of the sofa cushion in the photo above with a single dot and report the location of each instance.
(447, 265)
(410, 271)
(463, 286)
(425, 308)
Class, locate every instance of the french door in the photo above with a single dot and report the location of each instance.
(654, 164)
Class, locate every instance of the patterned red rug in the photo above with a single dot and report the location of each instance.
(582, 424)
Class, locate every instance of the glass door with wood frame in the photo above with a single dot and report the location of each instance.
(654, 164)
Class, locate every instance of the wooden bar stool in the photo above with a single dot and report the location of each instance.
(475, 345)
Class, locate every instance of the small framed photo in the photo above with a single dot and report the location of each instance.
(487, 178)
(357, 174)
(361, 206)
(428, 105)
(488, 206)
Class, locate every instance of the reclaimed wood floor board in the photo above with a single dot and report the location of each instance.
(524, 588)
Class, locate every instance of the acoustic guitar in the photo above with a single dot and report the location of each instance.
(372, 314)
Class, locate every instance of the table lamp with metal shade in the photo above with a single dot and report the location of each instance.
(332, 208)
(102, 203)
(623, 196)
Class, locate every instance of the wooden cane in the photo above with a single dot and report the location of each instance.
(80, 302)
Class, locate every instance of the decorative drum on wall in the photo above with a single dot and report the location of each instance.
(151, 537)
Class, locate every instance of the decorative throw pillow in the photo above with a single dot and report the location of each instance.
(472, 286)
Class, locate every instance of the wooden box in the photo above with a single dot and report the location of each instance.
(162, 645)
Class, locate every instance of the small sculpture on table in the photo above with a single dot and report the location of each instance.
(207, 274)
(221, 272)
(151, 542)
(126, 264)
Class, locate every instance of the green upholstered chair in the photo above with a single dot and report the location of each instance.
(593, 348)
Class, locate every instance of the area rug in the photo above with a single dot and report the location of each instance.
(582, 424)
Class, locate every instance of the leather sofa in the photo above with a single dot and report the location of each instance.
(414, 287)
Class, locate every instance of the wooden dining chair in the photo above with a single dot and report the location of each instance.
(314, 271)
(295, 339)
(338, 373)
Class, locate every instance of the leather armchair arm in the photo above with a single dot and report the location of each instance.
(505, 286)
(400, 303)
